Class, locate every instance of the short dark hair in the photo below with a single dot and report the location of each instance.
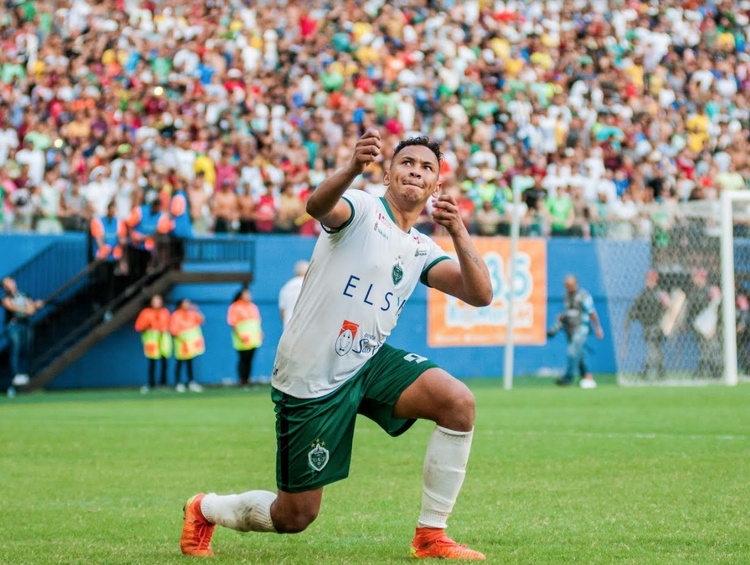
(422, 140)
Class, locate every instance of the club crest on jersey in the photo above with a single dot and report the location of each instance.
(398, 271)
(344, 342)
(318, 456)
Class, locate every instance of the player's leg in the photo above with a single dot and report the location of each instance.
(263, 511)
(443, 399)
(440, 397)
(252, 511)
(402, 387)
(314, 439)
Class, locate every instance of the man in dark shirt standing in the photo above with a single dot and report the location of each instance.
(649, 308)
(18, 310)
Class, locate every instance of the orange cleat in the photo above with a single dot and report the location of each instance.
(432, 542)
(196, 531)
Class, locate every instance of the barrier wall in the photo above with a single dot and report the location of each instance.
(118, 361)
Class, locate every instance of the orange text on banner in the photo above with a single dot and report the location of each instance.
(451, 322)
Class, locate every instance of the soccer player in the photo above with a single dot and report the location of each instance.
(578, 314)
(332, 361)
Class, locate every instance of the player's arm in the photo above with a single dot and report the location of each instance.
(589, 305)
(325, 204)
(469, 279)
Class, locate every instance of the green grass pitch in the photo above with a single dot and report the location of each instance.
(614, 475)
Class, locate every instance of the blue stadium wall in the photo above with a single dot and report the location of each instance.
(117, 361)
(17, 249)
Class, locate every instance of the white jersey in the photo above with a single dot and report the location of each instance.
(359, 278)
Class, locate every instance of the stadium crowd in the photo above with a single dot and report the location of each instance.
(592, 110)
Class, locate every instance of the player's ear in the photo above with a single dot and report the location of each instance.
(386, 178)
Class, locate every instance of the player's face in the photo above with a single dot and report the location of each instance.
(413, 174)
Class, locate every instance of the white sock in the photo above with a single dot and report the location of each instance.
(246, 512)
(444, 472)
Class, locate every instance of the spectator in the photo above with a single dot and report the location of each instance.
(225, 208)
(561, 211)
(246, 205)
(649, 308)
(265, 210)
(743, 333)
(185, 327)
(109, 236)
(50, 194)
(703, 303)
(19, 309)
(147, 223)
(582, 98)
(290, 208)
(199, 194)
(75, 210)
(244, 319)
(488, 219)
(153, 325)
(181, 224)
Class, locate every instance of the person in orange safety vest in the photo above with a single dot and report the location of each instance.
(244, 319)
(153, 324)
(185, 326)
(109, 235)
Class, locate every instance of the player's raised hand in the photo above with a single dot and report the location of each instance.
(446, 214)
(366, 150)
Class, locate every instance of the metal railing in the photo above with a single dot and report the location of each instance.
(49, 270)
(220, 249)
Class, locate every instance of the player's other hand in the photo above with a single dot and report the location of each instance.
(599, 333)
(446, 214)
(366, 151)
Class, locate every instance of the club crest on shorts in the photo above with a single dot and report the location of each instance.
(398, 271)
(318, 456)
(344, 342)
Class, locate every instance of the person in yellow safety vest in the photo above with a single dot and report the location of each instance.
(185, 325)
(153, 323)
(244, 319)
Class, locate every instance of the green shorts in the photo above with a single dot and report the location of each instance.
(314, 435)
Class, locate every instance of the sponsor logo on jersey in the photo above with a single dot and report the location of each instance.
(318, 456)
(368, 344)
(380, 230)
(420, 253)
(347, 333)
(371, 296)
(398, 271)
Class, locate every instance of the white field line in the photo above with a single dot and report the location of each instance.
(614, 435)
(592, 435)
